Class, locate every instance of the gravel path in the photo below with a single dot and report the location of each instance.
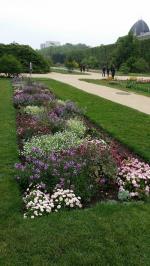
(130, 99)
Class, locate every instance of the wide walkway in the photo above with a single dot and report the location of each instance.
(130, 99)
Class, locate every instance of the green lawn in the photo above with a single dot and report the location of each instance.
(107, 234)
(116, 84)
(127, 125)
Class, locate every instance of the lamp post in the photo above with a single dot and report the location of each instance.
(30, 69)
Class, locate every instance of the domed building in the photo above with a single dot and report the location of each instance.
(140, 29)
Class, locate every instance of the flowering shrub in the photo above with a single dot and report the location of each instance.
(49, 143)
(86, 168)
(27, 126)
(33, 110)
(38, 202)
(51, 120)
(65, 199)
(76, 126)
(134, 176)
(67, 109)
(24, 99)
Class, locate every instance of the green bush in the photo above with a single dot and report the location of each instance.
(141, 65)
(33, 110)
(10, 66)
(25, 54)
(76, 126)
(124, 68)
(49, 143)
(70, 65)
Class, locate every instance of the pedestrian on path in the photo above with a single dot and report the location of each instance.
(103, 71)
(113, 71)
(107, 71)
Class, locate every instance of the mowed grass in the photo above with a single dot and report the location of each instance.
(107, 234)
(139, 88)
(130, 127)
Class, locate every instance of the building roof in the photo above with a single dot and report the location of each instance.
(139, 28)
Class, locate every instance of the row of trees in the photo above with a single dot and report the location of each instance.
(15, 58)
(128, 54)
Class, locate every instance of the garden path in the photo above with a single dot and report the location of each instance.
(130, 99)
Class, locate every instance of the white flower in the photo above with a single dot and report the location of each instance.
(60, 199)
(59, 206)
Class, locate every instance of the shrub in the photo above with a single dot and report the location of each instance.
(70, 65)
(27, 126)
(87, 169)
(134, 176)
(124, 68)
(10, 65)
(76, 126)
(24, 99)
(131, 84)
(52, 121)
(49, 143)
(33, 110)
(141, 65)
(38, 202)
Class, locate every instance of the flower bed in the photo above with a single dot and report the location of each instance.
(66, 162)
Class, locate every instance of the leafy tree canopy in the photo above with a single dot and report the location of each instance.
(25, 54)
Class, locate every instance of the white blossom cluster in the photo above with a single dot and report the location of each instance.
(38, 203)
(65, 198)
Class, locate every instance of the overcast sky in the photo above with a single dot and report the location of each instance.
(92, 22)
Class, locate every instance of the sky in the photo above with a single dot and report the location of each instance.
(93, 22)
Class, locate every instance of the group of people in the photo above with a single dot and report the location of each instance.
(106, 71)
(83, 67)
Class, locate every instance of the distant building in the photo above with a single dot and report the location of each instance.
(141, 30)
(49, 43)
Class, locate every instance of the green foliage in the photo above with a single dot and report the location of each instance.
(25, 54)
(141, 65)
(123, 195)
(76, 126)
(70, 64)
(91, 61)
(56, 142)
(125, 48)
(33, 110)
(10, 65)
(124, 68)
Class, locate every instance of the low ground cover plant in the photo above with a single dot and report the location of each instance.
(141, 86)
(64, 164)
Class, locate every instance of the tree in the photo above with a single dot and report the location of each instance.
(141, 65)
(70, 64)
(124, 68)
(25, 54)
(126, 47)
(10, 66)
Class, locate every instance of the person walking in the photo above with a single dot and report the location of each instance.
(107, 71)
(81, 67)
(113, 71)
(103, 71)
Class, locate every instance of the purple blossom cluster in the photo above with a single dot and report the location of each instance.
(134, 176)
(24, 99)
(32, 95)
(66, 110)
